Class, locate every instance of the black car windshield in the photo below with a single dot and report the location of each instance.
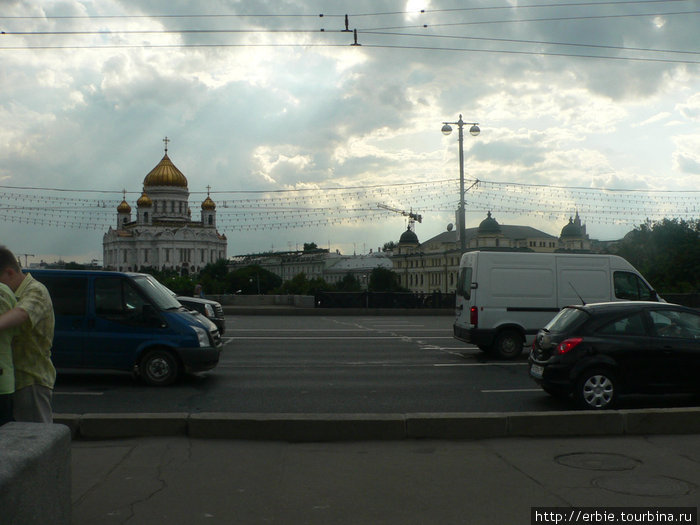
(566, 319)
(156, 292)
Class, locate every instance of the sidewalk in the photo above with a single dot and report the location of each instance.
(182, 480)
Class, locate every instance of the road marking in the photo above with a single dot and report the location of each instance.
(57, 392)
(480, 364)
(514, 390)
(284, 330)
(348, 338)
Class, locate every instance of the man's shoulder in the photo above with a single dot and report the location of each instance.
(6, 295)
(32, 291)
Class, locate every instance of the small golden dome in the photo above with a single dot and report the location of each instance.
(208, 204)
(124, 207)
(165, 174)
(144, 201)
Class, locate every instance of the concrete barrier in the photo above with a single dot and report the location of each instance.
(351, 427)
(35, 474)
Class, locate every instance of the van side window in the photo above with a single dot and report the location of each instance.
(464, 285)
(68, 294)
(629, 286)
(115, 297)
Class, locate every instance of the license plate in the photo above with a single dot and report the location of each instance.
(536, 371)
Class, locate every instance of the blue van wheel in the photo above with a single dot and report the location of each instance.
(159, 368)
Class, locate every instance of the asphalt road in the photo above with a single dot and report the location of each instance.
(289, 364)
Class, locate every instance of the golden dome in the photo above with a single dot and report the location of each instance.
(144, 201)
(165, 174)
(208, 204)
(124, 207)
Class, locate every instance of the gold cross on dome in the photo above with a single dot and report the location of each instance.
(166, 140)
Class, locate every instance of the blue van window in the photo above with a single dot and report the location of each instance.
(68, 294)
(116, 297)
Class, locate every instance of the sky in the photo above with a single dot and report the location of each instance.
(299, 136)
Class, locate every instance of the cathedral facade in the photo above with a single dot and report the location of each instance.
(163, 235)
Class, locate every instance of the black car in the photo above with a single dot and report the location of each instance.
(600, 351)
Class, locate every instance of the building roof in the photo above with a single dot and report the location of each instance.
(508, 231)
(489, 225)
(408, 237)
(208, 204)
(165, 174)
(144, 200)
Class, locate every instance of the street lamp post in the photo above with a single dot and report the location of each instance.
(474, 131)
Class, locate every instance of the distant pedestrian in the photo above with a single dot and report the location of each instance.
(7, 371)
(35, 374)
(198, 291)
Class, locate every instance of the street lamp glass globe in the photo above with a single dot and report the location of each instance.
(446, 129)
(474, 130)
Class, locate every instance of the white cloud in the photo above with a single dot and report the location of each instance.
(266, 113)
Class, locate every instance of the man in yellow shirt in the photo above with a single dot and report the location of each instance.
(35, 374)
(7, 371)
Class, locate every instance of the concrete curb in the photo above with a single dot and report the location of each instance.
(357, 427)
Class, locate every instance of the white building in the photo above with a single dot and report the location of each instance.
(331, 267)
(163, 234)
(434, 265)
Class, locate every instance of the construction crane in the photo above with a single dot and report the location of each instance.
(412, 217)
(26, 256)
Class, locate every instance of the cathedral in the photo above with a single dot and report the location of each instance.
(163, 235)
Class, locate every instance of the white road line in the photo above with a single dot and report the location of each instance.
(480, 364)
(326, 330)
(514, 390)
(347, 338)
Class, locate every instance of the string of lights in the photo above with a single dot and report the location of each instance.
(329, 207)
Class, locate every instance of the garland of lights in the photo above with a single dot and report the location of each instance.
(308, 208)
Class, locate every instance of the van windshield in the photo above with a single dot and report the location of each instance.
(156, 292)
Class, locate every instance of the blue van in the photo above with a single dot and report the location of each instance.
(126, 321)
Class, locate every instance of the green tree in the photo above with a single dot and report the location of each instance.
(213, 277)
(301, 285)
(251, 280)
(348, 284)
(384, 280)
(666, 252)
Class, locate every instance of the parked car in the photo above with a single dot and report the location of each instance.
(208, 308)
(598, 352)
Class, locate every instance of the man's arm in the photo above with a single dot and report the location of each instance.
(12, 318)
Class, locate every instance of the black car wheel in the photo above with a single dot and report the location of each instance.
(159, 368)
(508, 345)
(596, 389)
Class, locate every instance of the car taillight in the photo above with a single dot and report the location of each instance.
(474, 315)
(568, 344)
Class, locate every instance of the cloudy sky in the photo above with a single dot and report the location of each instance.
(583, 106)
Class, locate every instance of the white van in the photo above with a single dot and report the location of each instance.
(503, 298)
